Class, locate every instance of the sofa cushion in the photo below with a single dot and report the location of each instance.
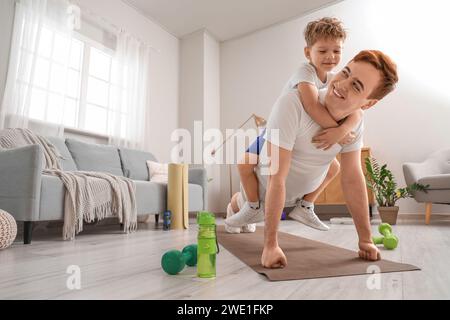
(134, 163)
(150, 198)
(67, 162)
(95, 157)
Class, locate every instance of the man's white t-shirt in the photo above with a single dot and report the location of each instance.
(306, 73)
(309, 165)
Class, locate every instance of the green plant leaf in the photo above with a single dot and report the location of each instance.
(384, 186)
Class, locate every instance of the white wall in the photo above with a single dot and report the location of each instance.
(406, 126)
(192, 87)
(200, 100)
(212, 113)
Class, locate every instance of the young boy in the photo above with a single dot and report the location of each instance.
(324, 39)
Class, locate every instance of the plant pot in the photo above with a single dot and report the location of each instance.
(388, 214)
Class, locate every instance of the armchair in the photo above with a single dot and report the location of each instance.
(435, 172)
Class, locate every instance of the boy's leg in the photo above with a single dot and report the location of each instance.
(238, 202)
(251, 212)
(304, 211)
(232, 208)
(335, 167)
(247, 166)
(234, 203)
(248, 177)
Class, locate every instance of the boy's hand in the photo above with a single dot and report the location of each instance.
(368, 251)
(348, 139)
(327, 138)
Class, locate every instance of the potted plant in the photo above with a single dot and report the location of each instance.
(382, 182)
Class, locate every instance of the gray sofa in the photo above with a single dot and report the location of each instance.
(30, 196)
(435, 172)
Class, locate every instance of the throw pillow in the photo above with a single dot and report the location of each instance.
(158, 172)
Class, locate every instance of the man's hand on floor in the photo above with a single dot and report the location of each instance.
(273, 258)
(368, 251)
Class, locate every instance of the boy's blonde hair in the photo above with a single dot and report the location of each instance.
(325, 28)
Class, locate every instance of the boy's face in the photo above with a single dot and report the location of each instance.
(325, 54)
(351, 88)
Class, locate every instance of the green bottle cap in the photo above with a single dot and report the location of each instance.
(206, 218)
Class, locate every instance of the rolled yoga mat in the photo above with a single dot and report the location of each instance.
(307, 259)
(178, 196)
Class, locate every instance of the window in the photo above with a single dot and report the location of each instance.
(71, 83)
(98, 87)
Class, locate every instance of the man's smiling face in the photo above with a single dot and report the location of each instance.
(351, 89)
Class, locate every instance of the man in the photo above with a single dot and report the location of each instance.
(298, 167)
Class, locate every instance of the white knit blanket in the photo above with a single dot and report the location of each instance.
(89, 196)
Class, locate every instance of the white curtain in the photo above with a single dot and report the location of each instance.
(30, 18)
(130, 96)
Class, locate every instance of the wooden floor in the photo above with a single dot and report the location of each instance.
(118, 266)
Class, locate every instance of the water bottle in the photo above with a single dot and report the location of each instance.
(207, 245)
(167, 220)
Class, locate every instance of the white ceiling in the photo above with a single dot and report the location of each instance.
(225, 19)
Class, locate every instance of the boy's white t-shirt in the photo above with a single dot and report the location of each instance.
(306, 73)
(309, 165)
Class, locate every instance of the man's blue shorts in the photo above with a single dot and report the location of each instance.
(257, 146)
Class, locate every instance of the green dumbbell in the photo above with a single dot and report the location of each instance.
(390, 241)
(174, 261)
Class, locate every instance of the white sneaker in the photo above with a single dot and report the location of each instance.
(229, 229)
(249, 228)
(307, 216)
(246, 216)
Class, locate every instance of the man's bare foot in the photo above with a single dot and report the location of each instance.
(368, 251)
(273, 258)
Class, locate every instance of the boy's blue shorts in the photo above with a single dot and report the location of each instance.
(257, 146)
